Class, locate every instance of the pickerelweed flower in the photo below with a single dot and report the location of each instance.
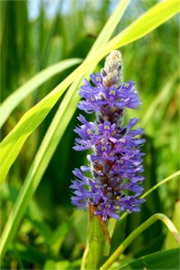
(112, 181)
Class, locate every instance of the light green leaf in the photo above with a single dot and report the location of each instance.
(12, 144)
(146, 23)
(54, 265)
(170, 242)
(159, 260)
(96, 244)
(80, 222)
(16, 97)
(58, 236)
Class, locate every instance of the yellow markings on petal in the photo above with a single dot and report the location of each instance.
(89, 131)
(112, 92)
(111, 154)
(98, 79)
(121, 161)
(92, 98)
(126, 85)
(123, 140)
(107, 127)
(104, 148)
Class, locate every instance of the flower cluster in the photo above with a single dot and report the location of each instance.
(111, 182)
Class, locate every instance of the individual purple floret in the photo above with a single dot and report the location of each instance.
(112, 181)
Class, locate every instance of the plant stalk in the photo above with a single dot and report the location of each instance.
(98, 242)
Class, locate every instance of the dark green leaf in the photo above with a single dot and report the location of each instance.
(159, 260)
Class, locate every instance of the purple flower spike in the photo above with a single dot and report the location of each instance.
(112, 180)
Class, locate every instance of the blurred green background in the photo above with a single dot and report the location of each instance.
(35, 34)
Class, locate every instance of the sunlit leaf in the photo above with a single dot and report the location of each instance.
(170, 241)
(18, 95)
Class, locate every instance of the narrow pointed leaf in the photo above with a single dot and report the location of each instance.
(159, 260)
(18, 95)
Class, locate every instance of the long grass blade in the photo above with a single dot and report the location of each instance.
(169, 242)
(18, 95)
(153, 18)
(156, 260)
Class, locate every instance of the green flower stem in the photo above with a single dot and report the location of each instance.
(94, 251)
(138, 231)
(98, 242)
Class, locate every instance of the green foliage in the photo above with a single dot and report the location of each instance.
(48, 237)
(159, 260)
(96, 245)
(13, 100)
(138, 231)
(170, 241)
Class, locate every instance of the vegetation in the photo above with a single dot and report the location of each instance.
(43, 62)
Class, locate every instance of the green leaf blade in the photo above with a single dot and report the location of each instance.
(16, 97)
(170, 241)
(145, 24)
(158, 260)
